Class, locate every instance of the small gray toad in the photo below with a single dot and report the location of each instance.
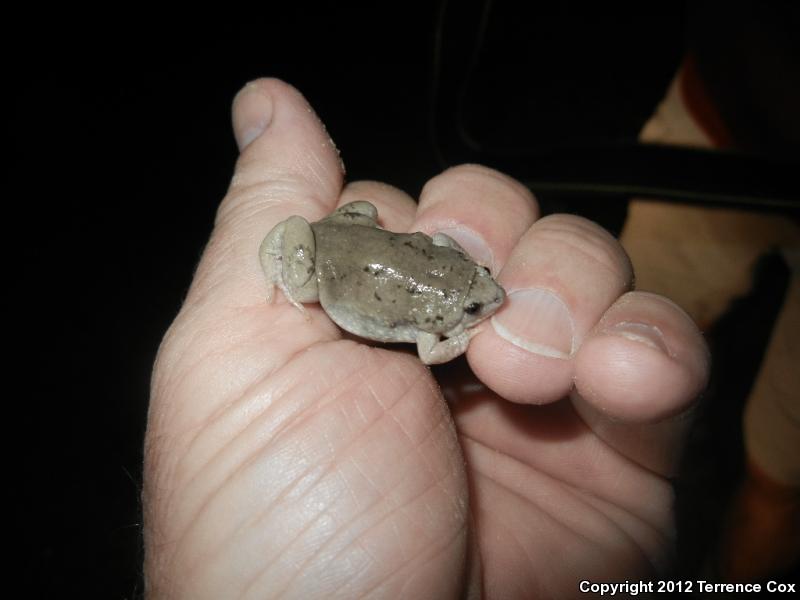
(383, 286)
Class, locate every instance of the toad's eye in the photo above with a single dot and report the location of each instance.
(472, 308)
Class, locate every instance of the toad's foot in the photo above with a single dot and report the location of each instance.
(432, 350)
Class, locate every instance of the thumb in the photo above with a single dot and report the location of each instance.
(288, 166)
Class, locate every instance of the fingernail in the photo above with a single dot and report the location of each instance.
(473, 244)
(639, 332)
(252, 113)
(537, 320)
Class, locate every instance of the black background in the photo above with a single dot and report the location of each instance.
(123, 146)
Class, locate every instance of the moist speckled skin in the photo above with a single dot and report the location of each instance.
(389, 285)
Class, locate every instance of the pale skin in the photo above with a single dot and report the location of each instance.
(284, 460)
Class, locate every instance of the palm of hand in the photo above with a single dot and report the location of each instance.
(284, 461)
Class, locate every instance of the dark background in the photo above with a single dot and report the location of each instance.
(124, 146)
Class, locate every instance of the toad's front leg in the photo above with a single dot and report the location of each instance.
(433, 350)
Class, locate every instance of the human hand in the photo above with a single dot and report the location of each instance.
(285, 460)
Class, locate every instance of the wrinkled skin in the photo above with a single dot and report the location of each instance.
(283, 460)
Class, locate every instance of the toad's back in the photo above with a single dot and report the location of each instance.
(386, 286)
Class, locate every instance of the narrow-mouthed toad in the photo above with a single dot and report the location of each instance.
(383, 286)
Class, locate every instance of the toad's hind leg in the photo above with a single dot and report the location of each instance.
(359, 212)
(287, 257)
